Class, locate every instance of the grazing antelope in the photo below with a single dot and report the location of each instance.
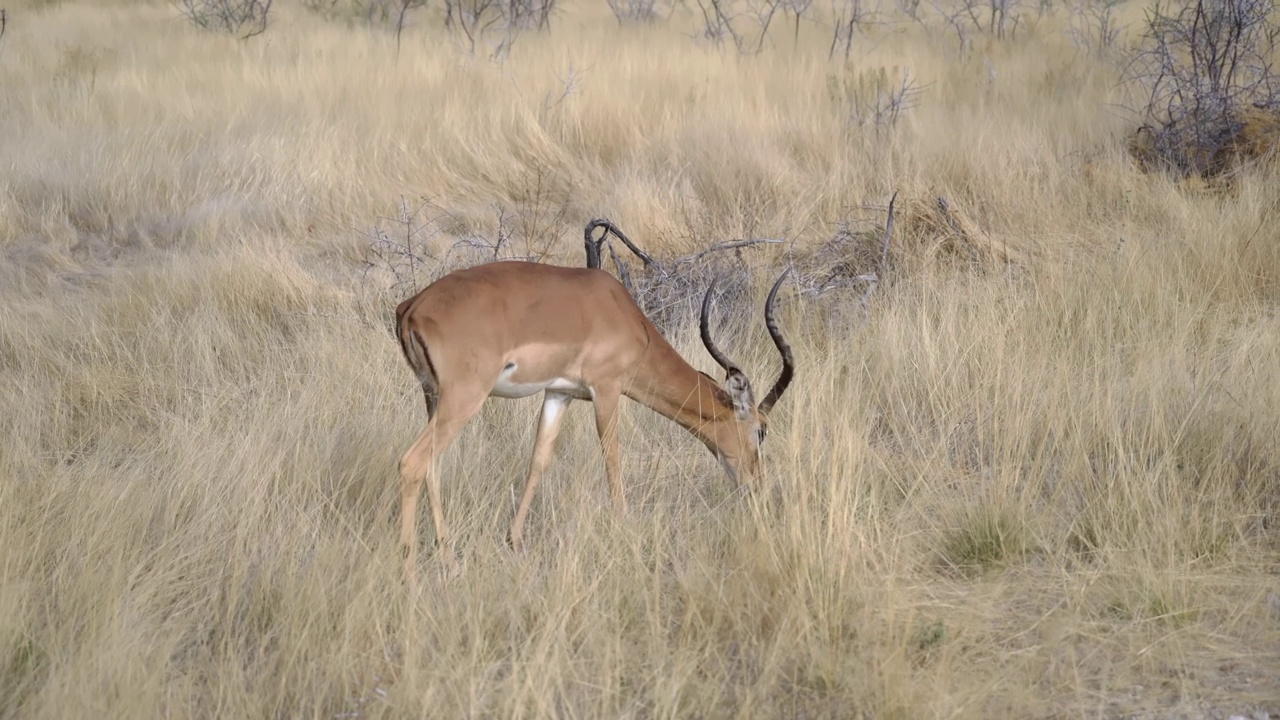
(512, 329)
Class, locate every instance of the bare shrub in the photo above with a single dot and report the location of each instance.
(910, 8)
(798, 10)
(377, 13)
(876, 97)
(530, 14)
(1003, 17)
(570, 84)
(849, 258)
(245, 18)
(491, 25)
(851, 261)
(400, 248)
(495, 24)
(539, 210)
(995, 18)
(638, 11)
(1207, 80)
(846, 270)
(961, 19)
(1094, 26)
(422, 241)
(327, 8)
(746, 25)
(389, 14)
(763, 13)
(405, 7)
(717, 22)
(849, 16)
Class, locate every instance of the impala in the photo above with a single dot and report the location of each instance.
(512, 329)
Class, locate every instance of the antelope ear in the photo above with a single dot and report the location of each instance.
(739, 390)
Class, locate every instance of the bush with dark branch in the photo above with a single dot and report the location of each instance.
(593, 244)
(670, 291)
(245, 18)
(1209, 89)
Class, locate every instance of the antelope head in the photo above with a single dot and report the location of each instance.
(736, 436)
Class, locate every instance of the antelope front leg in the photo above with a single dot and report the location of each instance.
(606, 406)
(553, 405)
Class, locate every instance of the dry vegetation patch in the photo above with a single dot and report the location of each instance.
(1031, 471)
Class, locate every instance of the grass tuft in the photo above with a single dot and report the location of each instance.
(984, 539)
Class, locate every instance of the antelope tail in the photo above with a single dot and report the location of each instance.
(415, 353)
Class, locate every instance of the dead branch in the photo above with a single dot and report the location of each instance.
(593, 245)
(624, 275)
(733, 245)
(888, 233)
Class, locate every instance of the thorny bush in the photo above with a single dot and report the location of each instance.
(1208, 84)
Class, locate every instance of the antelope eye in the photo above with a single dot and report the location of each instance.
(760, 433)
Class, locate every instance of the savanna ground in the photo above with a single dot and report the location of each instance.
(1035, 477)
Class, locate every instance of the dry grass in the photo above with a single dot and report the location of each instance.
(1046, 489)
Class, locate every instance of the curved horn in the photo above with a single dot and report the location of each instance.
(704, 327)
(788, 361)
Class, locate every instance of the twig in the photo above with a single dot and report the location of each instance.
(623, 274)
(734, 245)
(404, 10)
(888, 233)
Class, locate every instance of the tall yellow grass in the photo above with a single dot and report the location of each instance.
(1046, 489)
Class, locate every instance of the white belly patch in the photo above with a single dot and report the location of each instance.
(505, 387)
